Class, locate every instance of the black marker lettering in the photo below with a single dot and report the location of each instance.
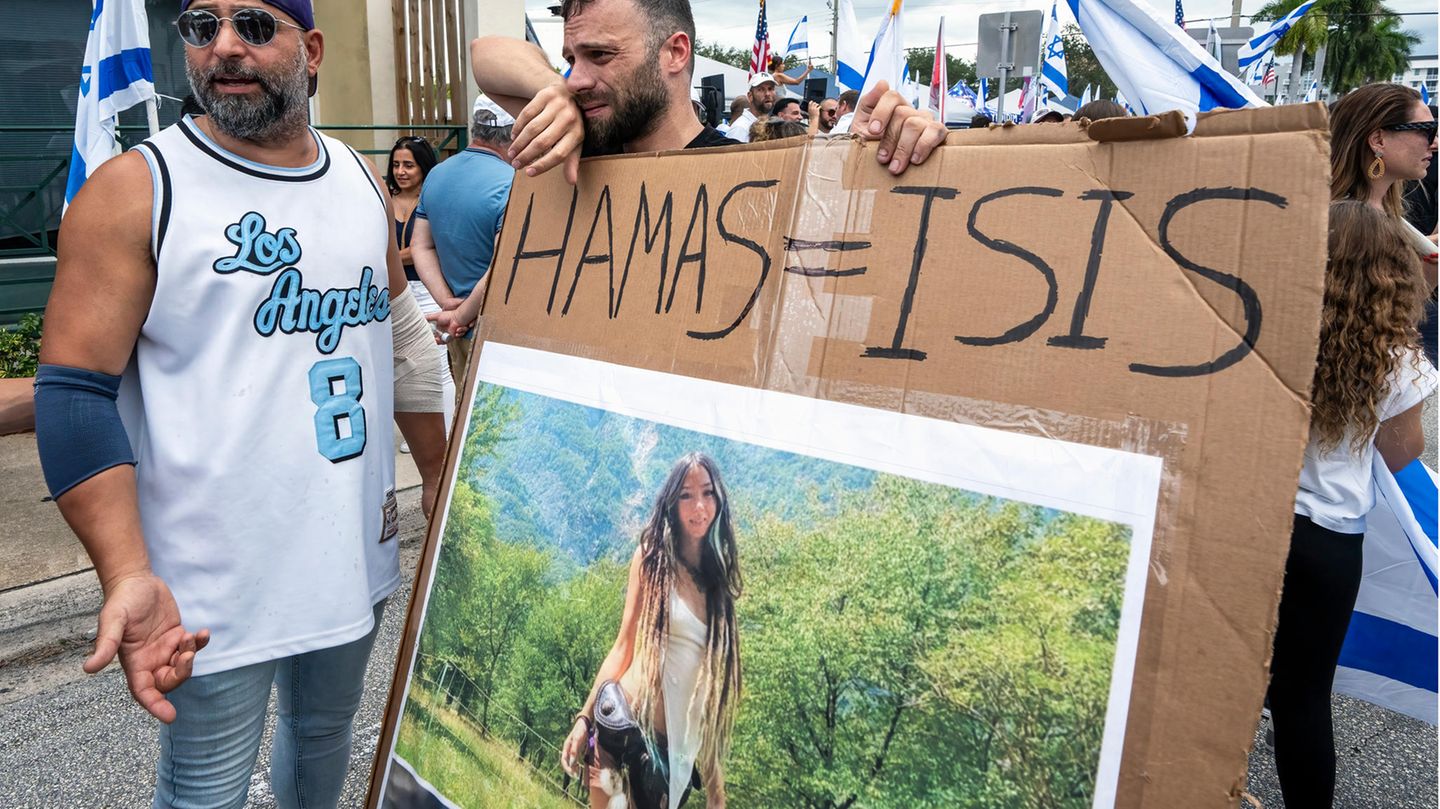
(748, 244)
(664, 219)
(1027, 328)
(557, 253)
(895, 349)
(1077, 338)
(700, 214)
(1248, 299)
(599, 258)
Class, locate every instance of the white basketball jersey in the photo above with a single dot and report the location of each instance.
(260, 398)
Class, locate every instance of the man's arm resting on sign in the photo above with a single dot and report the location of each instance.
(549, 128)
(427, 265)
(104, 282)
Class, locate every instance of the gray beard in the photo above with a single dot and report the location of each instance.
(281, 113)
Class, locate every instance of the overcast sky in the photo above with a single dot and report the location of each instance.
(732, 22)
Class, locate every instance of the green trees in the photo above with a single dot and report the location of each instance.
(1082, 69)
(903, 644)
(1364, 40)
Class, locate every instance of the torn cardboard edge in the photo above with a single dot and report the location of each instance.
(1239, 439)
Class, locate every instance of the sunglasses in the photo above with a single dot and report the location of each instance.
(1426, 128)
(254, 26)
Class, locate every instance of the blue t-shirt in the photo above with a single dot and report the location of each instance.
(464, 200)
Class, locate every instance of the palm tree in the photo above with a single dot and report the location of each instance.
(1375, 48)
(1363, 37)
(1307, 35)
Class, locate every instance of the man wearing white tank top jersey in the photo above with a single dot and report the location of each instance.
(214, 412)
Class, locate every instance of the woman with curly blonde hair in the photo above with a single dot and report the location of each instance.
(1370, 380)
(660, 713)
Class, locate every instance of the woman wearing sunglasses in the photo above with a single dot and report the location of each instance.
(1381, 137)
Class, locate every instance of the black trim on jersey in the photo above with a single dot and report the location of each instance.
(185, 126)
(166, 193)
(369, 175)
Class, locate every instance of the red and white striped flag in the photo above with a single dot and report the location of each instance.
(760, 54)
(939, 82)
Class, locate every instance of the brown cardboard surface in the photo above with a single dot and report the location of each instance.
(1159, 295)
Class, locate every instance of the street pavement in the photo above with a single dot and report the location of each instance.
(68, 740)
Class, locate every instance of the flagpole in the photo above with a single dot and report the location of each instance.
(152, 117)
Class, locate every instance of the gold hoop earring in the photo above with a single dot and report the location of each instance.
(1377, 168)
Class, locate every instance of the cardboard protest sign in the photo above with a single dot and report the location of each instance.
(1005, 449)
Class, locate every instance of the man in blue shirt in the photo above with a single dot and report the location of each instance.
(457, 224)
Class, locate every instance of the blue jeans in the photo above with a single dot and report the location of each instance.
(208, 753)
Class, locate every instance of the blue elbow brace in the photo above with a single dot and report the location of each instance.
(77, 426)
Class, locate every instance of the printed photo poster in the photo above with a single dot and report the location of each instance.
(911, 612)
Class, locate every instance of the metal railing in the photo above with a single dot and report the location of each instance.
(30, 211)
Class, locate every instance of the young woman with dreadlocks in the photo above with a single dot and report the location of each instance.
(658, 719)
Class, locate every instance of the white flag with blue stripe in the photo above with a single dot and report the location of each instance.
(1261, 43)
(1389, 657)
(887, 54)
(116, 76)
(1052, 71)
(1154, 64)
(849, 49)
(799, 38)
(1313, 94)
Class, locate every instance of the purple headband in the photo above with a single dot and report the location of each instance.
(299, 10)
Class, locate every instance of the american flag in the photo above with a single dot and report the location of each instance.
(1269, 74)
(760, 54)
(1179, 14)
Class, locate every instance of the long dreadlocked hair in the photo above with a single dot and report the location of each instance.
(719, 682)
(1374, 294)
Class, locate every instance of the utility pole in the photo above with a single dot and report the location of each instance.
(834, 37)
(1234, 13)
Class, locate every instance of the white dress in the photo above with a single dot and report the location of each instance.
(684, 709)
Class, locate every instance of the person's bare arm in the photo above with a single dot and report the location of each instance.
(17, 405)
(104, 282)
(1401, 438)
(622, 653)
(549, 128)
(427, 265)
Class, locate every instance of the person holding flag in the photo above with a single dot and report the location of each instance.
(116, 75)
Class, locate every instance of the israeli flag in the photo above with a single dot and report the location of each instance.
(799, 38)
(116, 76)
(1052, 71)
(887, 54)
(962, 91)
(1261, 44)
(1424, 96)
(1156, 65)
(1389, 657)
(1313, 94)
(850, 59)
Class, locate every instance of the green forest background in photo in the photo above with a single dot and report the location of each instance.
(904, 644)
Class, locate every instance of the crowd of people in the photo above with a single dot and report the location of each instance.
(253, 545)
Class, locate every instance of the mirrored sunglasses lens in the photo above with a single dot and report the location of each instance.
(198, 28)
(255, 26)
